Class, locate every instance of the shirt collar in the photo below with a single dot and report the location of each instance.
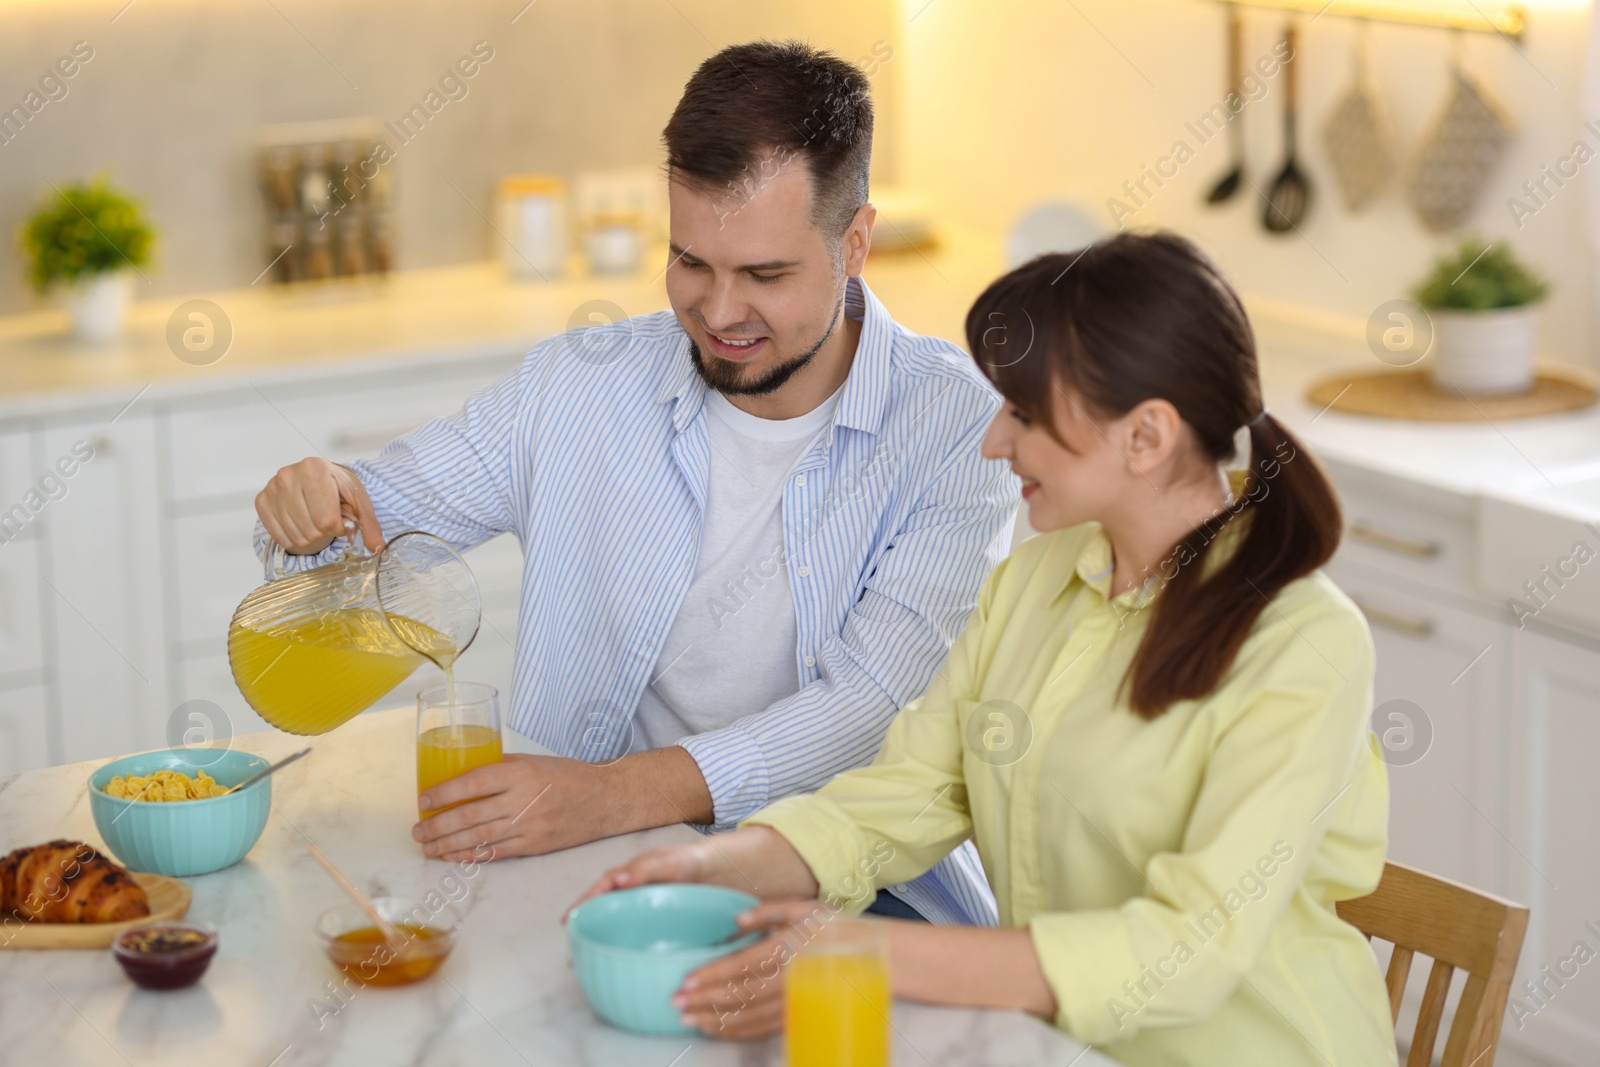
(863, 396)
(866, 390)
(1095, 563)
(682, 385)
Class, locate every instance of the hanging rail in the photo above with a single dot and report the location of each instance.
(1507, 20)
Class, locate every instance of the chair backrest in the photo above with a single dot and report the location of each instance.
(1459, 928)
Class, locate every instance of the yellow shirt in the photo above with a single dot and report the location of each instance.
(1178, 876)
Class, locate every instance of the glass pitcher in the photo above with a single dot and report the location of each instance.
(310, 651)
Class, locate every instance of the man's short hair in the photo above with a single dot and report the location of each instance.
(754, 108)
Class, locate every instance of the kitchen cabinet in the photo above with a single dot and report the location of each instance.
(21, 649)
(1553, 744)
(24, 720)
(103, 592)
(1437, 694)
(1507, 784)
(210, 575)
(21, 644)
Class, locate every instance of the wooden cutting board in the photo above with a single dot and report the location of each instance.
(1410, 394)
(169, 899)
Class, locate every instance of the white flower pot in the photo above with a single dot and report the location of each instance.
(1484, 352)
(99, 305)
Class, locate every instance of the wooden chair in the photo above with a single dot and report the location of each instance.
(1457, 927)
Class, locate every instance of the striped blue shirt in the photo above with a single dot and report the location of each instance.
(593, 453)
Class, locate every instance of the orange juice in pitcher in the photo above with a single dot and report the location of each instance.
(310, 675)
(310, 651)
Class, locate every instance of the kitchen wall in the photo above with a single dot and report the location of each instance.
(988, 106)
(175, 90)
(1011, 101)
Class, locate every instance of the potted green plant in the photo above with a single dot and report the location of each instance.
(87, 240)
(1484, 305)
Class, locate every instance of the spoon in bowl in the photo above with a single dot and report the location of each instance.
(396, 940)
(256, 777)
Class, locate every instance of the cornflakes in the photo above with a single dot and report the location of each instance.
(164, 785)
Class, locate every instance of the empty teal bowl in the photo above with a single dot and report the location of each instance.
(633, 948)
(182, 837)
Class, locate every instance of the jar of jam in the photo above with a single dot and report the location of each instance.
(166, 955)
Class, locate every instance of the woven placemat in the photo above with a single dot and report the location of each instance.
(1410, 394)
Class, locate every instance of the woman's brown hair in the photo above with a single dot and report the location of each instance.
(1143, 316)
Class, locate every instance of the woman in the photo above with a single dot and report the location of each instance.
(1154, 724)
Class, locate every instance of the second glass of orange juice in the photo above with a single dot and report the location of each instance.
(836, 996)
(458, 728)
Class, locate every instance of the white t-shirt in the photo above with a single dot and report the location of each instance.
(731, 650)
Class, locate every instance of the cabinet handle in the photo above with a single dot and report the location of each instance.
(101, 445)
(1409, 546)
(1406, 624)
(361, 440)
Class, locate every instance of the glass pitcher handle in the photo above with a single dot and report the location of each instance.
(277, 556)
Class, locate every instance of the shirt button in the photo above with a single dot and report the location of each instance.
(803, 571)
(811, 661)
(799, 479)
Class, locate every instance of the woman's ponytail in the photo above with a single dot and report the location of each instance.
(1198, 626)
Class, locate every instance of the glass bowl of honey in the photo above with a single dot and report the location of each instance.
(427, 933)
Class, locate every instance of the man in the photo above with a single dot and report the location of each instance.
(751, 527)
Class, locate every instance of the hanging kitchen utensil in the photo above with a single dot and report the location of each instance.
(1456, 158)
(1358, 139)
(1290, 195)
(1228, 184)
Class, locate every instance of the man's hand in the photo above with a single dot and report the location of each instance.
(529, 805)
(305, 505)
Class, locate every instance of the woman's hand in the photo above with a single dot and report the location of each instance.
(755, 859)
(696, 862)
(740, 996)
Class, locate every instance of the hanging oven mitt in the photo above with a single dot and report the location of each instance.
(1358, 140)
(1457, 156)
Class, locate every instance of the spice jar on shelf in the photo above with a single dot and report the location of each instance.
(531, 217)
(613, 242)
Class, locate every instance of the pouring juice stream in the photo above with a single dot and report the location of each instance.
(312, 650)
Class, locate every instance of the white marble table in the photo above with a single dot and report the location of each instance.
(506, 995)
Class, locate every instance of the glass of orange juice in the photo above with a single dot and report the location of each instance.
(458, 728)
(836, 996)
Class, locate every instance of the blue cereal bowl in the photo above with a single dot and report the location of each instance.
(633, 948)
(182, 837)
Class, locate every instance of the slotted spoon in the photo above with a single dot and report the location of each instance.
(1290, 195)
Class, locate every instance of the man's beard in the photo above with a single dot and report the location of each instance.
(727, 377)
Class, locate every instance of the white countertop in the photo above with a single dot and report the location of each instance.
(506, 995)
(455, 312)
(476, 310)
(1462, 458)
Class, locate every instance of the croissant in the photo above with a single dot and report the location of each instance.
(68, 882)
